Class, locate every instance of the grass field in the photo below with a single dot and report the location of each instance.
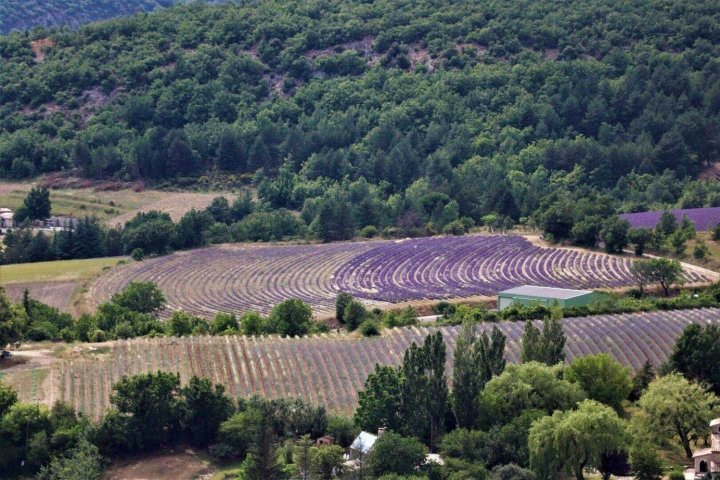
(110, 206)
(56, 271)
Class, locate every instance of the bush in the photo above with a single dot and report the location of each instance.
(138, 254)
(222, 451)
(369, 231)
(98, 336)
(67, 335)
(646, 463)
(676, 475)
(370, 328)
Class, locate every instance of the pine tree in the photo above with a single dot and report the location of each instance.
(262, 459)
(496, 352)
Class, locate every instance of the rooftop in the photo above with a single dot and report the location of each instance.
(547, 292)
(364, 442)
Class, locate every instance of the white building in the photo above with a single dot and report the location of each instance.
(707, 460)
(6, 218)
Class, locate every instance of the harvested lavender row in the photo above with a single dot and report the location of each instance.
(330, 369)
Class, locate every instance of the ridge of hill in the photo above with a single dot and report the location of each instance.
(28, 14)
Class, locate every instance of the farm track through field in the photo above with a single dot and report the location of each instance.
(238, 278)
(331, 368)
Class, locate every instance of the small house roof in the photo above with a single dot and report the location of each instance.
(545, 292)
(705, 452)
(364, 442)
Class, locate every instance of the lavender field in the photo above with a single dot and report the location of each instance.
(330, 369)
(237, 278)
(703, 218)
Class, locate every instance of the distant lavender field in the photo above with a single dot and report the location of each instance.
(703, 218)
(238, 278)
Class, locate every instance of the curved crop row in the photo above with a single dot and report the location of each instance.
(241, 278)
(330, 369)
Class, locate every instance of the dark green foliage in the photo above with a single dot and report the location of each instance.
(380, 402)
(615, 234)
(354, 314)
(291, 318)
(641, 380)
(206, 407)
(607, 121)
(341, 302)
(640, 237)
(511, 472)
(695, 355)
(81, 463)
(150, 409)
(546, 347)
(393, 453)
(8, 397)
(12, 321)
(141, 297)
(36, 205)
(646, 462)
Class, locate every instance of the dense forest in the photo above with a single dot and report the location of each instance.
(384, 114)
(27, 14)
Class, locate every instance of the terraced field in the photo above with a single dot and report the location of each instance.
(330, 369)
(251, 277)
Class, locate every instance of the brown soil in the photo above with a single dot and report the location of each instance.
(711, 172)
(55, 294)
(174, 465)
(38, 47)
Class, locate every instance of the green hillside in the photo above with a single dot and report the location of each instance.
(27, 14)
(410, 114)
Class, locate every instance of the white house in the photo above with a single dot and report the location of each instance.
(707, 460)
(6, 218)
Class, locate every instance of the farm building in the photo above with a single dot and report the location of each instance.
(547, 296)
(707, 460)
(6, 218)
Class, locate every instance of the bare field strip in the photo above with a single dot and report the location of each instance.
(330, 369)
(56, 294)
(241, 277)
(111, 206)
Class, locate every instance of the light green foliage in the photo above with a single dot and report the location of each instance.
(327, 461)
(673, 407)
(527, 386)
(601, 378)
(82, 463)
(251, 323)
(662, 271)
(12, 320)
(573, 440)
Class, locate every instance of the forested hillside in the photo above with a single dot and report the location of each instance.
(27, 14)
(402, 114)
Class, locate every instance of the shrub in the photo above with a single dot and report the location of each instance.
(370, 328)
(369, 231)
(98, 336)
(676, 475)
(138, 254)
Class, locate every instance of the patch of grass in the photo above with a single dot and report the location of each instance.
(225, 470)
(58, 270)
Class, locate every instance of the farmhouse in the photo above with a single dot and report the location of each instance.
(546, 296)
(6, 218)
(707, 460)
